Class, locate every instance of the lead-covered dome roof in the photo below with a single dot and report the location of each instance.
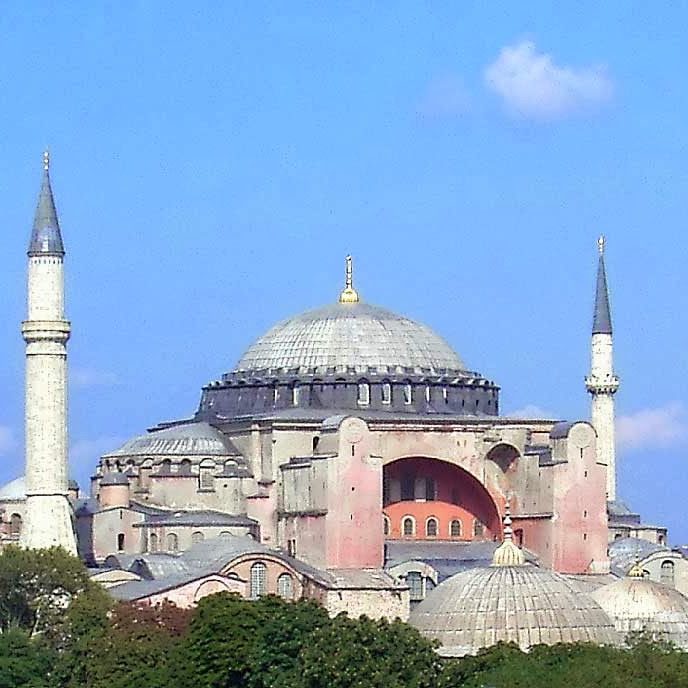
(639, 605)
(520, 604)
(186, 439)
(347, 337)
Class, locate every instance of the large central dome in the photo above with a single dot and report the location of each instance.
(350, 337)
(349, 356)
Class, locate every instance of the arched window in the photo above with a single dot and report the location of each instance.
(172, 542)
(197, 537)
(478, 528)
(15, 525)
(295, 394)
(414, 579)
(285, 586)
(120, 542)
(258, 582)
(431, 527)
(225, 535)
(275, 393)
(666, 575)
(206, 475)
(152, 542)
(408, 526)
(363, 393)
(385, 525)
(166, 467)
(445, 395)
(408, 393)
(455, 528)
(386, 393)
(185, 467)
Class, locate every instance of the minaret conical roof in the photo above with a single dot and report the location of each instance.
(46, 238)
(602, 318)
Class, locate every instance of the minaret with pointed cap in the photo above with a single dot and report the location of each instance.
(602, 383)
(48, 518)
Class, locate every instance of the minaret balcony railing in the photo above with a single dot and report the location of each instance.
(607, 385)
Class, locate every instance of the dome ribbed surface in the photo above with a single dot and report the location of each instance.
(520, 604)
(189, 439)
(348, 336)
(639, 604)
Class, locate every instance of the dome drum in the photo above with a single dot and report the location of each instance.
(237, 396)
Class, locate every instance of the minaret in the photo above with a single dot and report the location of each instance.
(602, 383)
(48, 518)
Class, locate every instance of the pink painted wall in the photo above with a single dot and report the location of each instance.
(354, 536)
(579, 532)
(189, 594)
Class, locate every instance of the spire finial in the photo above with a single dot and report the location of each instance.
(602, 318)
(508, 553)
(46, 160)
(349, 294)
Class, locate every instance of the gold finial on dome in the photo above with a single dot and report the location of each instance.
(600, 244)
(636, 571)
(508, 553)
(349, 294)
(46, 159)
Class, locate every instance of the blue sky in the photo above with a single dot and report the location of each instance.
(213, 163)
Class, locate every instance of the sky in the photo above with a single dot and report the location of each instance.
(213, 163)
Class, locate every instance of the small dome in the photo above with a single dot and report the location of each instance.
(110, 479)
(521, 604)
(189, 439)
(350, 336)
(14, 490)
(638, 604)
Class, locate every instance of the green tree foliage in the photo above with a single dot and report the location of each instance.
(37, 589)
(235, 642)
(644, 664)
(362, 653)
(25, 662)
(138, 648)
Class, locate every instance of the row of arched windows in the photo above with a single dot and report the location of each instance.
(432, 527)
(258, 582)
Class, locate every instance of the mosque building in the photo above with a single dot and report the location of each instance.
(350, 456)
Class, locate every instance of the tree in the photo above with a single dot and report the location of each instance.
(138, 647)
(252, 644)
(25, 662)
(38, 588)
(362, 653)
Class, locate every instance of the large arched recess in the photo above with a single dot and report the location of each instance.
(424, 488)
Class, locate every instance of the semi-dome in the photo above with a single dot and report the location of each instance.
(350, 336)
(187, 439)
(14, 490)
(637, 604)
(520, 604)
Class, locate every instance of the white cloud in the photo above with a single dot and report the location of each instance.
(532, 412)
(445, 96)
(90, 377)
(655, 427)
(532, 85)
(8, 442)
(86, 452)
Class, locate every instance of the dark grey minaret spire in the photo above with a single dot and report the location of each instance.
(602, 319)
(45, 236)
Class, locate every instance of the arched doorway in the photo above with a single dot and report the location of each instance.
(431, 499)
